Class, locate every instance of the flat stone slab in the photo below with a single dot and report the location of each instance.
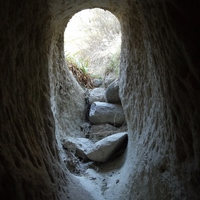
(102, 112)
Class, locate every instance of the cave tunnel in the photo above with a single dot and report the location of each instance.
(159, 89)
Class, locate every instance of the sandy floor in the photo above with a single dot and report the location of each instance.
(98, 179)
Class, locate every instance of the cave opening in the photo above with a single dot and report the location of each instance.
(159, 89)
(95, 35)
(92, 46)
(139, 83)
(144, 87)
(95, 149)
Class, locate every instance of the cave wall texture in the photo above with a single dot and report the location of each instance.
(159, 88)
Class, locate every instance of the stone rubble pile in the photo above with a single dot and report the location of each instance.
(100, 151)
(105, 132)
(105, 105)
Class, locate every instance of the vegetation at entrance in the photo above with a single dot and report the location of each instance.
(95, 34)
(79, 68)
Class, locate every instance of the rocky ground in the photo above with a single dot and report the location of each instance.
(96, 158)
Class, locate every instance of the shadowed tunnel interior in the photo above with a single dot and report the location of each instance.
(159, 89)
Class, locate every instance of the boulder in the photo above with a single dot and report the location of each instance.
(104, 149)
(112, 92)
(78, 145)
(96, 94)
(101, 112)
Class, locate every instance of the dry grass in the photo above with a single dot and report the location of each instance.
(80, 74)
(96, 35)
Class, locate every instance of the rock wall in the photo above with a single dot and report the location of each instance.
(160, 94)
(159, 89)
(30, 167)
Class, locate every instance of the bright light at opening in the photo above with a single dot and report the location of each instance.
(93, 36)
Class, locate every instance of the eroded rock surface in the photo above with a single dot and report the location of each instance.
(159, 90)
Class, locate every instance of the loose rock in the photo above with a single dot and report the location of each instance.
(96, 94)
(100, 151)
(109, 79)
(97, 82)
(112, 92)
(78, 145)
(100, 131)
(107, 147)
(85, 128)
(101, 112)
(102, 128)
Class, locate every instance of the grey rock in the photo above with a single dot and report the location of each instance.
(100, 151)
(112, 92)
(108, 80)
(101, 112)
(80, 146)
(95, 137)
(104, 149)
(96, 94)
(102, 128)
(85, 128)
(97, 82)
(100, 131)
